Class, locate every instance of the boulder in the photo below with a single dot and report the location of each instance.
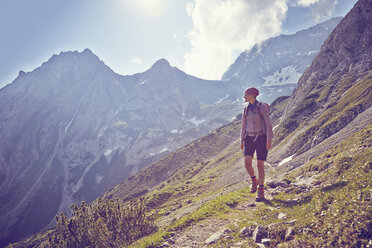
(217, 236)
(246, 232)
(259, 233)
(289, 235)
(275, 184)
(266, 242)
(282, 216)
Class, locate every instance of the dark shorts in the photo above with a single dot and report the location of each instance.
(250, 146)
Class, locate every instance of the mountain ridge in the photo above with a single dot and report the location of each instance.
(73, 128)
(209, 175)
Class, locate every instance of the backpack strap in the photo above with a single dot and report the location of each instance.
(245, 111)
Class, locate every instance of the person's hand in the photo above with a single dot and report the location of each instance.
(268, 144)
(241, 145)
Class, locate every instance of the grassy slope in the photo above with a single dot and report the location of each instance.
(335, 213)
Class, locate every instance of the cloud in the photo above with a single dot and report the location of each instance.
(307, 3)
(323, 10)
(224, 27)
(136, 60)
(319, 9)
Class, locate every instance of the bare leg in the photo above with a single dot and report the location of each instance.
(248, 165)
(261, 172)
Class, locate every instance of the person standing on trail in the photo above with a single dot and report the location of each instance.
(256, 136)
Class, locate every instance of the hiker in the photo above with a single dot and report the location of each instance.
(256, 135)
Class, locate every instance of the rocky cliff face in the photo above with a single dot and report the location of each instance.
(276, 65)
(72, 129)
(334, 90)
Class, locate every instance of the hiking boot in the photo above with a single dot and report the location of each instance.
(260, 194)
(254, 185)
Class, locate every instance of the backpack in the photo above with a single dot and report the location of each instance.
(267, 105)
(259, 111)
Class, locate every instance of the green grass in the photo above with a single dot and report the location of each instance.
(339, 213)
(216, 207)
(153, 240)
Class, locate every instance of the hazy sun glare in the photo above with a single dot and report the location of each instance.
(151, 7)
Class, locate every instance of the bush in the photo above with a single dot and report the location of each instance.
(108, 223)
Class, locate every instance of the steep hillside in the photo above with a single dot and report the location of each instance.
(333, 91)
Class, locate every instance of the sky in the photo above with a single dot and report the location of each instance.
(201, 37)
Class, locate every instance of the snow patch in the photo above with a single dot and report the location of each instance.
(165, 149)
(176, 131)
(73, 117)
(99, 178)
(286, 160)
(108, 152)
(196, 122)
(312, 52)
(286, 75)
(222, 99)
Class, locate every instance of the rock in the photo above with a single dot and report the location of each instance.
(287, 181)
(165, 244)
(289, 235)
(317, 182)
(259, 234)
(275, 184)
(279, 190)
(246, 232)
(171, 241)
(282, 216)
(291, 222)
(266, 242)
(217, 236)
(307, 231)
(167, 212)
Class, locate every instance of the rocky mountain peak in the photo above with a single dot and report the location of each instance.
(73, 57)
(161, 65)
(348, 47)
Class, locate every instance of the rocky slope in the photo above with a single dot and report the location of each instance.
(334, 90)
(72, 129)
(276, 65)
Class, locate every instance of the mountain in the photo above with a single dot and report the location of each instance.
(334, 93)
(318, 174)
(275, 65)
(72, 129)
(318, 178)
